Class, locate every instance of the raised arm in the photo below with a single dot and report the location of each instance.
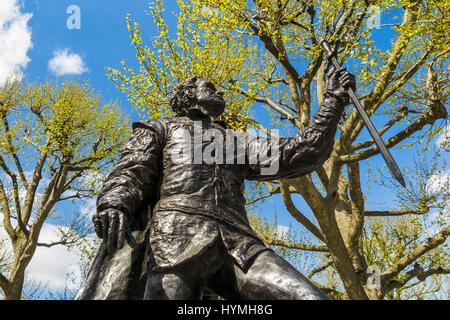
(308, 150)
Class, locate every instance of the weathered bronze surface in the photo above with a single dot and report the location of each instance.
(188, 217)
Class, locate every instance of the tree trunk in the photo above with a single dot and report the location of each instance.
(15, 291)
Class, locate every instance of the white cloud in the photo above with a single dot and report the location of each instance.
(438, 183)
(89, 207)
(65, 62)
(50, 266)
(55, 267)
(444, 138)
(15, 40)
(282, 230)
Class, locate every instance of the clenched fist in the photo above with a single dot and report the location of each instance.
(339, 83)
(111, 226)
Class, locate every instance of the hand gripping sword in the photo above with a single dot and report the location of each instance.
(373, 132)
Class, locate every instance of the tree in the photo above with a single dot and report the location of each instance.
(385, 239)
(265, 54)
(53, 139)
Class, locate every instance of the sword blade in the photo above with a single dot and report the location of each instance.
(373, 132)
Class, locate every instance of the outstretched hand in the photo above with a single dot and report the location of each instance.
(111, 225)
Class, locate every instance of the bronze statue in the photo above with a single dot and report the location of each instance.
(189, 217)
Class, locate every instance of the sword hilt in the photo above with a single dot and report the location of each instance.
(331, 55)
(130, 240)
(326, 47)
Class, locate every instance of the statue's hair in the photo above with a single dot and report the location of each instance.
(183, 96)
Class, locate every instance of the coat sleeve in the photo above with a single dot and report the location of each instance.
(134, 179)
(288, 158)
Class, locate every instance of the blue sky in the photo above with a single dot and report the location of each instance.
(101, 41)
(57, 52)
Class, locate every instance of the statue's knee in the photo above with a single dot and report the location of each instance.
(168, 286)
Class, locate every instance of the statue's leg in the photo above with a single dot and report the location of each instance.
(272, 277)
(186, 281)
(171, 286)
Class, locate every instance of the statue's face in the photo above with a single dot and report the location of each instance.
(209, 99)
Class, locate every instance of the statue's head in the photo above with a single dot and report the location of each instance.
(197, 96)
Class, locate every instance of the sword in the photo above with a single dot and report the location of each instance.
(130, 240)
(373, 132)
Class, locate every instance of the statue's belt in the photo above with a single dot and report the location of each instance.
(199, 206)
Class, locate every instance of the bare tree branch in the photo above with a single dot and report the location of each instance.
(270, 133)
(416, 272)
(270, 46)
(320, 269)
(321, 172)
(332, 293)
(354, 125)
(409, 17)
(292, 80)
(357, 211)
(32, 187)
(259, 198)
(342, 22)
(71, 180)
(56, 243)
(399, 82)
(324, 212)
(6, 213)
(297, 214)
(12, 150)
(430, 244)
(291, 245)
(402, 113)
(407, 132)
(271, 104)
(75, 196)
(4, 282)
(394, 213)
